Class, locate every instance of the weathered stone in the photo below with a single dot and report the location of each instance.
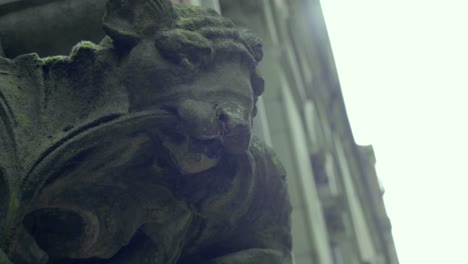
(139, 149)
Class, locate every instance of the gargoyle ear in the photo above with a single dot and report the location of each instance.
(128, 21)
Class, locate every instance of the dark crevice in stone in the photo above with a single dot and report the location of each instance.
(4, 195)
(55, 230)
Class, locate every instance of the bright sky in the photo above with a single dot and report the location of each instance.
(403, 67)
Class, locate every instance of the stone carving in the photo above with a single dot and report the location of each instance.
(138, 149)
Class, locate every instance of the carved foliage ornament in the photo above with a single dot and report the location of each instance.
(139, 149)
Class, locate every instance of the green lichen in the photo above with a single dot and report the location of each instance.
(85, 45)
(10, 216)
(12, 208)
(81, 47)
(53, 59)
(276, 161)
(23, 119)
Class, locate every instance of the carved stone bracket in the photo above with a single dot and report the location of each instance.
(139, 149)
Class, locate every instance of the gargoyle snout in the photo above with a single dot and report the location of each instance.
(199, 119)
(233, 120)
(228, 121)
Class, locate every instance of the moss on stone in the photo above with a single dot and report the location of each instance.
(53, 59)
(84, 46)
(23, 119)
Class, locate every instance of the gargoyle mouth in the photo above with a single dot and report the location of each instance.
(191, 155)
(212, 148)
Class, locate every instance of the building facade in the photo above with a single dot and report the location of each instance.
(338, 212)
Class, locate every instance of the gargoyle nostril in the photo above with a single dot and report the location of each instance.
(220, 113)
(223, 117)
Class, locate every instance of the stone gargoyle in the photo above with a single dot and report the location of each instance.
(139, 149)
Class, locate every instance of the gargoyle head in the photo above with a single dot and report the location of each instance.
(194, 65)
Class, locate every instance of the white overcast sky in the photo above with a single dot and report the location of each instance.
(403, 67)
